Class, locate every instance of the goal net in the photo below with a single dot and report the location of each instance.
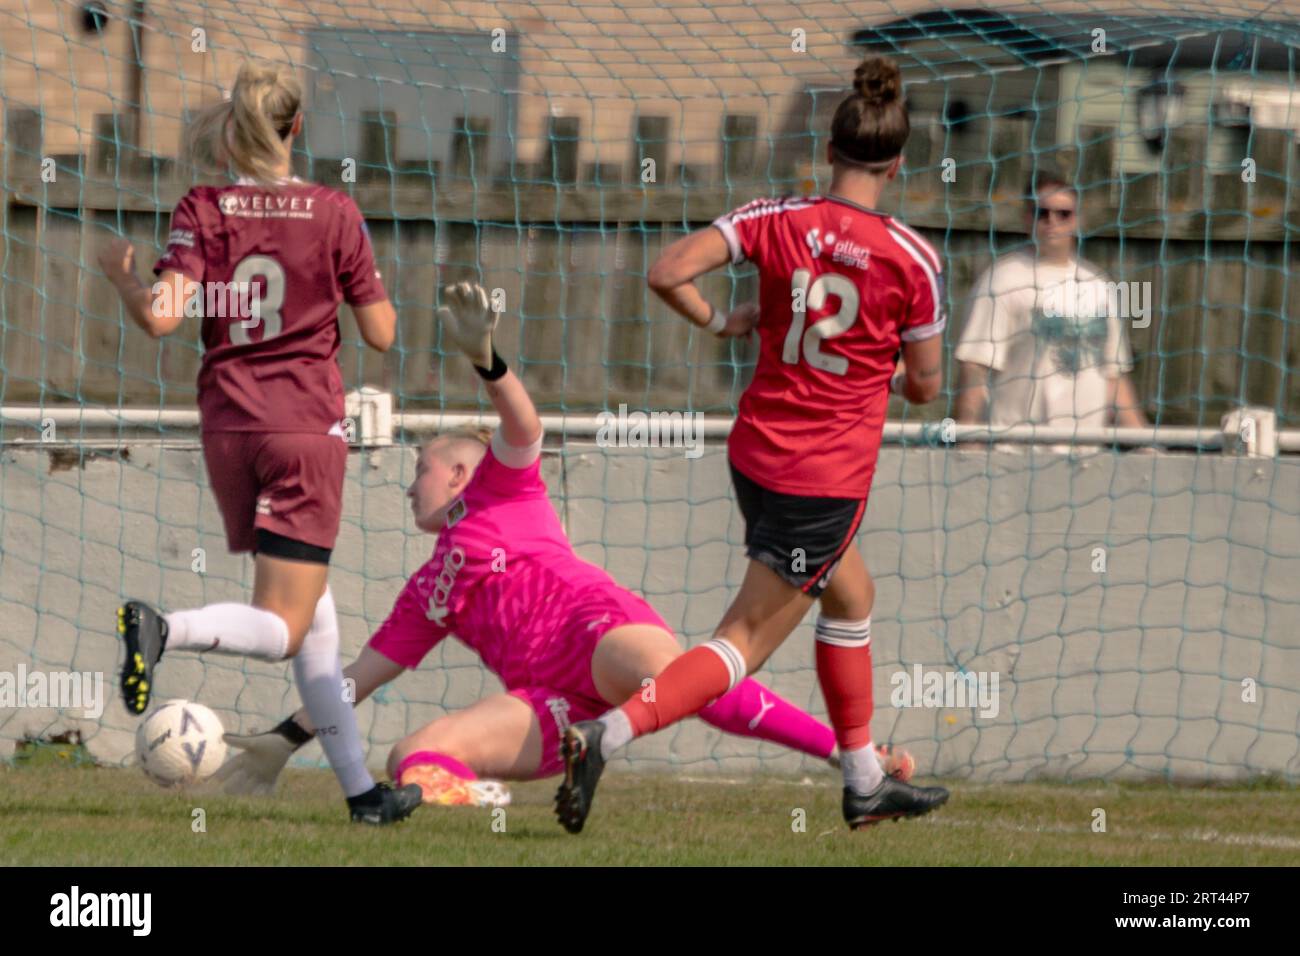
(1053, 599)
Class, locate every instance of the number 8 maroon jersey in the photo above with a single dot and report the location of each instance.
(274, 264)
(841, 287)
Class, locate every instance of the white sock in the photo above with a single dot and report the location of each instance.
(862, 773)
(319, 676)
(618, 732)
(229, 629)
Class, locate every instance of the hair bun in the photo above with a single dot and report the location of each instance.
(878, 80)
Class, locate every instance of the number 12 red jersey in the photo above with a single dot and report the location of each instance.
(841, 287)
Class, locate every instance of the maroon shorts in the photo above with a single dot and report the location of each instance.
(287, 483)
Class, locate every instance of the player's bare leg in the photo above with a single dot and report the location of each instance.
(498, 737)
(627, 655)
(291, 590)
(764, 613)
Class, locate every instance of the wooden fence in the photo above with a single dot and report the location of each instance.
(585, 329)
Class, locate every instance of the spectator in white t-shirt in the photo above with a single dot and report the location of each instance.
(1042, 342)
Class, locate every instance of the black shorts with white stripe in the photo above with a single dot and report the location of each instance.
(800, 537)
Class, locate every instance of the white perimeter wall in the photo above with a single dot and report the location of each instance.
(983, 561)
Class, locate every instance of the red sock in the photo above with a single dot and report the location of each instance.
(687, 685)
(844, 671)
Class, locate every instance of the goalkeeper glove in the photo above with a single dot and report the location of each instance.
(470, 322)
(264, 755)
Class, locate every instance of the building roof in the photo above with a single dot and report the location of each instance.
(974, 37)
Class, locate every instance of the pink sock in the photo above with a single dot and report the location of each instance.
(751, 710)
(450, 764)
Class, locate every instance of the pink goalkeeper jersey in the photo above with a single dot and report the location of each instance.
(503, 577)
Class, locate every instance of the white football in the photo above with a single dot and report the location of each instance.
(180, 743)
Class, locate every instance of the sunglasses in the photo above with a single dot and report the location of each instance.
(1062, 215)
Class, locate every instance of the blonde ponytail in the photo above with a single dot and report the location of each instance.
(246, 133)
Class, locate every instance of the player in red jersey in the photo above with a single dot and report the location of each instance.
(843, 289)
(266, 262)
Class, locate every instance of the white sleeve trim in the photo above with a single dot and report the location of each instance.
(728, 230)
(936, 262)
(919, 332)
(513, 457)
(932, 277)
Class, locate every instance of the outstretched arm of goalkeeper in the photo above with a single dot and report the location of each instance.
(470, 323)
(255, 770)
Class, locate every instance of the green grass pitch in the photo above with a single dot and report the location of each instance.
(58, 815)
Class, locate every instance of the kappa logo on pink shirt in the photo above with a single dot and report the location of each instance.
(559, 708)
(451, 565)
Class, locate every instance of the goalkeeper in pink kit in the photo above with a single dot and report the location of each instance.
(566, 640)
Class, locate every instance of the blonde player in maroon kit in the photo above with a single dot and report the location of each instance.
(268, 260)
(843, 288)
